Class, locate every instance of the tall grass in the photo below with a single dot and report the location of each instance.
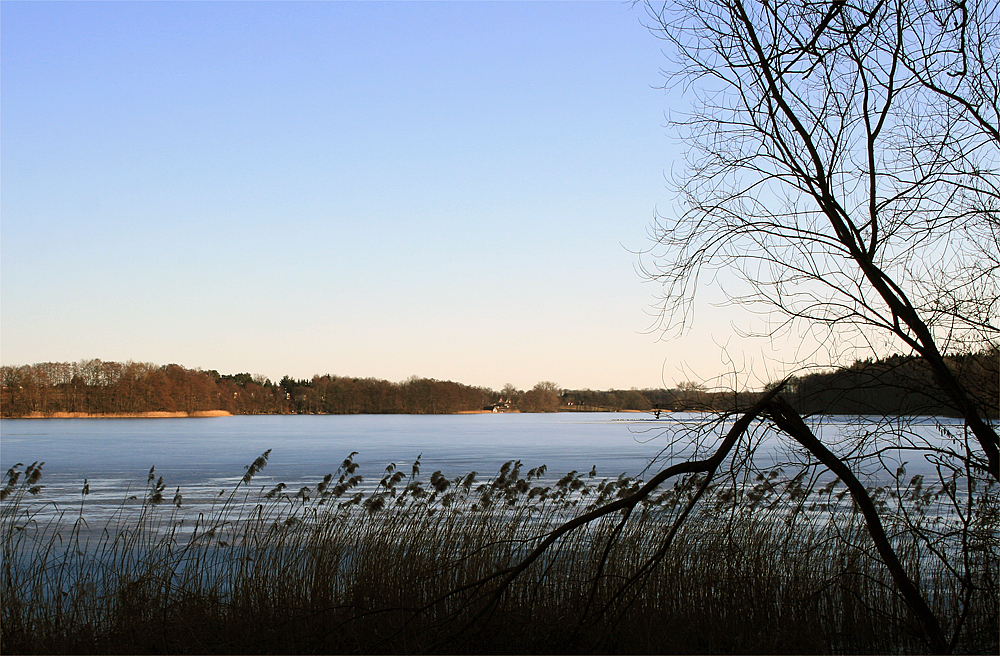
(405, 566)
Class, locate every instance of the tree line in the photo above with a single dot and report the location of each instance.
(99, 387)
(897, 385)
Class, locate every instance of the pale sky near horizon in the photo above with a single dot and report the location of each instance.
(446, 190)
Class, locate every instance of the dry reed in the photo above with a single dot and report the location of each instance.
(405, 567)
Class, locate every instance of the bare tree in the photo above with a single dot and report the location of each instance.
(842, 163)
(543, 397)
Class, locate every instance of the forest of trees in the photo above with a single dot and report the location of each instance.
(900, 385)
(97, 387)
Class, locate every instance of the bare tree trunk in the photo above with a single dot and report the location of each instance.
(789, 421)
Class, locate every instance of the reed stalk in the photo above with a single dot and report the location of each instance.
(341, 568)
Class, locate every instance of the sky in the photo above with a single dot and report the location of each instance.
(445, 190)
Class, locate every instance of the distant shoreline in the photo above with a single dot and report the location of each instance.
(223, 413)
(125, 415)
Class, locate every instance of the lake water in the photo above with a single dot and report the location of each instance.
(205, 456)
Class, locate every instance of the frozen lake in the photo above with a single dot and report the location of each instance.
(205, 456)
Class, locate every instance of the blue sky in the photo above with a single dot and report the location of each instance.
(448, 190)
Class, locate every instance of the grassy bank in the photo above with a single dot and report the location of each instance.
(406, 567)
